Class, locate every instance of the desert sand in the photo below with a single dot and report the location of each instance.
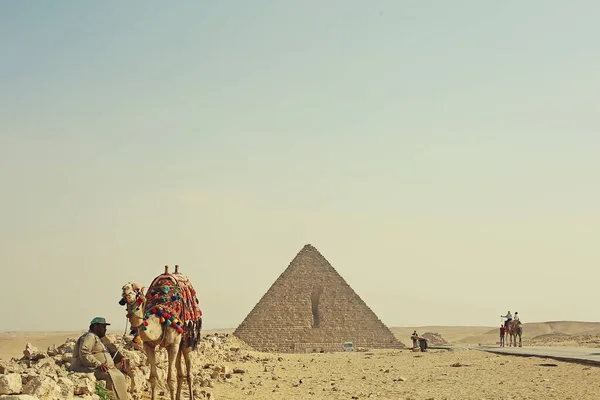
(390, 374)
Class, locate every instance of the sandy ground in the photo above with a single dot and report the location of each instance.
(381, 374)
(407, 375)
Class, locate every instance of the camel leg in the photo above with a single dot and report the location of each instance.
(188, 370)
(172, 351)
(179, 374)
(151, 354)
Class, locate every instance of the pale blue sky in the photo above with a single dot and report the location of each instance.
(441, 155)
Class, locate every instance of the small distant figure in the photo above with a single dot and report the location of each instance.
(415, 339)
(423, 344)
(516, 316)
(502, 334)
(508, 317)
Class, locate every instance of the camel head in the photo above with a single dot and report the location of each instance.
(131, 293)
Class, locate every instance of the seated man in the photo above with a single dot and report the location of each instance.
(91, 355)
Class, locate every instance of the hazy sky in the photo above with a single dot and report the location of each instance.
(442, 155)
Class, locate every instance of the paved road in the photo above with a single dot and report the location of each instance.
(584, 355)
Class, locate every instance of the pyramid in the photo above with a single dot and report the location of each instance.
(311, 308)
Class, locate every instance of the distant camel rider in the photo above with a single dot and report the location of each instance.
(516, 316)
(508, 317)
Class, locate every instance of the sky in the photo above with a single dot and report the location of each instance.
(443, 156)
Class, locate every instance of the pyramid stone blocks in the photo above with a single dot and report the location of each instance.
(309, 308)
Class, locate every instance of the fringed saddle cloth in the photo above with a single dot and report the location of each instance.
(173, 299)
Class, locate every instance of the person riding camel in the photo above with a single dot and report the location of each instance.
(508, 317)
(516, 316)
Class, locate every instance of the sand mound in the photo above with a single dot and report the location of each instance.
(565, 339)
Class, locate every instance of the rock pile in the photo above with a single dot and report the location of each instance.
(435, 339)
(44, 375)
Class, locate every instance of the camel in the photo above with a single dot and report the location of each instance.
(166, 316)
(513, 329)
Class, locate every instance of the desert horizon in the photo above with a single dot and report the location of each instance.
(570, 333)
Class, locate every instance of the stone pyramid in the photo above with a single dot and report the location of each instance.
(311, 308)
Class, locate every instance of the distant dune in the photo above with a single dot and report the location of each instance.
(474, 335)
(556, 333)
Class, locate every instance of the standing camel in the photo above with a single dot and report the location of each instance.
(514, 328)
(167, 316)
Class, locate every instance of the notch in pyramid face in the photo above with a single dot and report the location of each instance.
(316, 313)
(311, 303)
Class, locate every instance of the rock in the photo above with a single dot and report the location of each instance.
(66, 388)
(83, 384)
(25, 378)
(43, 388)
(52, 351)
(88, 397)
(7, 367)
(435, 339)
(67, 347)
(18, 397)
(139, 382)
(32, 353)
(11, 384)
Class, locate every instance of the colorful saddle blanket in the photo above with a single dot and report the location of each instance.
(172, 298)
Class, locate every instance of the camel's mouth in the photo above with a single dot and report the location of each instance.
(122, 301)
